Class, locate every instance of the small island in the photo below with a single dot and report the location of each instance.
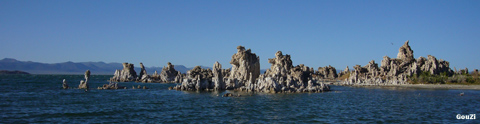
(12, 72)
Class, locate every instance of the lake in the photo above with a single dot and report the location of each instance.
(41, 99)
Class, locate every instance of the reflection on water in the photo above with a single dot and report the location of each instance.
(40, 98)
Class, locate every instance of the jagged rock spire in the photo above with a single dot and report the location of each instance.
(244, 63)
(405, 53)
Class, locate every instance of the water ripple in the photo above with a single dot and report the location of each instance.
(40, 99)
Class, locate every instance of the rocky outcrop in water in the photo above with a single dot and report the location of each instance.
(281, 77)
(65, 85)
(169, 74)
(281, 65)
(84, 84)
(245, 66)
(111, 86)
(218, 80)
(231, 95)
(405, 53)
(284, 77)
(126, 74)
(245, 69)
(87, 75)
(197, 79)
(140, 87)
(396, 71)
(327, 72)
(143, 77)
(155, 77)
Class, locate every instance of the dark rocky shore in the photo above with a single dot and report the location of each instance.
(12, 72)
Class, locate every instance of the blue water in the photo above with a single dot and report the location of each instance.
(40, 99)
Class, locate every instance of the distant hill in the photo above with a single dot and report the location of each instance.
(74, 67)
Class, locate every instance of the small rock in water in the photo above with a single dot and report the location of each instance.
(227, 95)
(111, 86)
(65, 85)
(84, 84)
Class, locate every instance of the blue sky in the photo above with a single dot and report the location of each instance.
(315, 33)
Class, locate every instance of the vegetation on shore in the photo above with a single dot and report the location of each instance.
(345, 76)
(463, 78)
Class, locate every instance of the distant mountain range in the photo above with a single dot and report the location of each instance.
(101, 68)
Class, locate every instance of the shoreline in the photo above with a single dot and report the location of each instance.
(425, 86)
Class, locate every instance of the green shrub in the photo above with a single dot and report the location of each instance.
(345, 76)
(443, 78)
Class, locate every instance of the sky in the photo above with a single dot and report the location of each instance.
(316, 33)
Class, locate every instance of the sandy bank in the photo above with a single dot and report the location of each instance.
(429, 86)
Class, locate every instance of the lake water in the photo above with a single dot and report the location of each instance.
(41, 99)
